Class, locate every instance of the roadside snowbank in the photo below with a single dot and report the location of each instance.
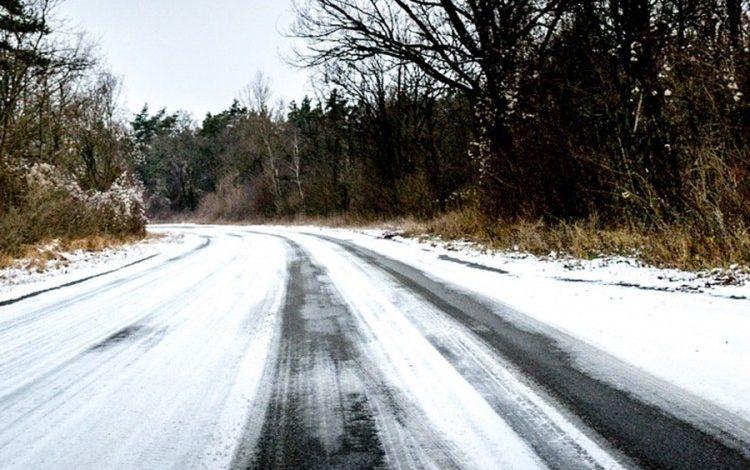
(22, 280)
(611, 270)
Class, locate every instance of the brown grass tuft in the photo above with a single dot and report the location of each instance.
(683, 247)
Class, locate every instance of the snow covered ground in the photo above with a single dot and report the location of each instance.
(678, 326)
(242, 344)
(690, 328)
(150, 366)
(23, 278)
(613, 270)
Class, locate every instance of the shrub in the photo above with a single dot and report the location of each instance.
(235, 201)
(51, 204)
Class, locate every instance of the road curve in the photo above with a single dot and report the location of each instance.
(265, 348)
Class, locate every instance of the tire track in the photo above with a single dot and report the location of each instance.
(645, 433)
(327, 405)
(319, 415)
(34, 315)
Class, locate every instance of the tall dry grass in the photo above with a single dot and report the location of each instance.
(682, 246)
(37, 256)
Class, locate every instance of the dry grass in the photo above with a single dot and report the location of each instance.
(351, 220)
(675, 246)
(6, 261)
(36, 257)
(344, 220)
(96, 243)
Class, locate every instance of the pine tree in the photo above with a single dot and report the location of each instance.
(17, 18)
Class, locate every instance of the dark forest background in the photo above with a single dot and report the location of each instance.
(544, 123)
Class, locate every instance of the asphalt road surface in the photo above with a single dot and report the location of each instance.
(262, 348)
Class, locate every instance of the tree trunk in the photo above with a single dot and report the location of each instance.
(499, 193)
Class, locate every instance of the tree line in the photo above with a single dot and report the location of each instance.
(397, 148)
(628, 113)
(634, 112)
(65, 150)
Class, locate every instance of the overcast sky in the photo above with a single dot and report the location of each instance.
(194, 55)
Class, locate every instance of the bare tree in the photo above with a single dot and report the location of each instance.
(257, 96)
(295, 164)
(472, 46)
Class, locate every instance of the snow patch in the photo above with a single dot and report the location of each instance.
(23, 278)
(733, 283)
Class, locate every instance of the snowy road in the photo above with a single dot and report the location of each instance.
(259, 347)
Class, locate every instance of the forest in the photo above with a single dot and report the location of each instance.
(581, 127)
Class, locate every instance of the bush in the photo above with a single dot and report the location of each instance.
(51, 204)
(235, 201)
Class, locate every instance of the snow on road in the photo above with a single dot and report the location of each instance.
(697, 341)
(137, 370)
(252, 347)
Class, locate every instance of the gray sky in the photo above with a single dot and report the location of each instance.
(194, 55)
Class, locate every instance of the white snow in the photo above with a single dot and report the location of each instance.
(205, 305)
(23, 278)
(419, 369)
(609, 270)
(698, 341)
(453, 406)
(74, 396)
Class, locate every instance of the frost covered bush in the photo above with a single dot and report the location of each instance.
(51, 204)
(120, 209)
